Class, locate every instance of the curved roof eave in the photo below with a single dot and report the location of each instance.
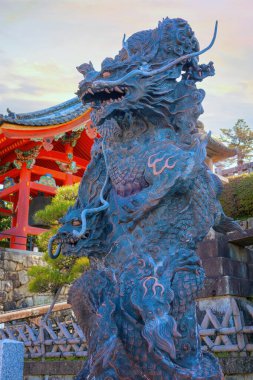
(47, 122)
(58, 114)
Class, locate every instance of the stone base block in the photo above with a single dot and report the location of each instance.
(11, 360)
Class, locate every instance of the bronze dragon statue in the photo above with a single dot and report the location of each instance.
(145, 201)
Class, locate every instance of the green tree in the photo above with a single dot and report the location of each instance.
(52, 275)
(50, 215)
(239, 137)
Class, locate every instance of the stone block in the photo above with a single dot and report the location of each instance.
(22, 304)
(237, 366)
(11, 360)
(6, 286)
(250, 223)
(3, 297)
(23, 277)
(226, 285)
(17, 296)
(223, 266)
(10, 266)
(32, 260)
(9, 305)
(20, 267)
(12, 276)
(42, 299)
(1, 274)
(17, 257)
(29, 301)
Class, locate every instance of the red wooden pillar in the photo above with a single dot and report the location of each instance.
(68, 179)
(22, 209)
(14, 218)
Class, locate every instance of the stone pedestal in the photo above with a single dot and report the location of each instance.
(225, 313)
(11, 360)
(228, 267)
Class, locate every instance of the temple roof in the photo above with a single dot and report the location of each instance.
(70, 115)
(58, 114)
(218, 151)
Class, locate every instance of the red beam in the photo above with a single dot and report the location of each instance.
(45, 189)
(10, 190)
(13, 173)
(54, 155)
(11, 232)
(57, 175)
(6, 211)
(35, 230)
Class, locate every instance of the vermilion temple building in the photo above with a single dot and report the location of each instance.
(42, 150)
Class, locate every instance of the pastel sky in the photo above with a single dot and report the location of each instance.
(42, 41)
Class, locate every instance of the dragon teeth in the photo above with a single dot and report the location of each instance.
(118, 89)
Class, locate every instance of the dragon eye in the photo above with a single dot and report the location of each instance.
(76, 222)
(106, 74)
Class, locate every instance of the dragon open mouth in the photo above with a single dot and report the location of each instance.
(104, 96)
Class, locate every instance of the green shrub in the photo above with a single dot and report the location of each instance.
(64, 198)
(56, 273)
(53, 274)
(237, 197)
(50, 215)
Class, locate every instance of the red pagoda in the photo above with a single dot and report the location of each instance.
(40, 151)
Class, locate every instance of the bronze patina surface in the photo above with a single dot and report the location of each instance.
(145, 201)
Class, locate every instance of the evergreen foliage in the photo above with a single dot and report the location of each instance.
(55, 273)
(237, 197)
(50, 215)
(239, 137)
(65, 197)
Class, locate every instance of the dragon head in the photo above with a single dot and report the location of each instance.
(146, 70)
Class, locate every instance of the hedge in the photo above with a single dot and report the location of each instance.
(237, 197)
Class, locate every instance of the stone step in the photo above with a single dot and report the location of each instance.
(226, 285)
(223, 266)
(242, 239)
(221, 246)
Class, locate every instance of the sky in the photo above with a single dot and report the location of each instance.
(42, 42)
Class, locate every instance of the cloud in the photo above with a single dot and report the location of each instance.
(43, 41)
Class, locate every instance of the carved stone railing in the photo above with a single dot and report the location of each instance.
(230, 332)
(64, 339)
(57, 338)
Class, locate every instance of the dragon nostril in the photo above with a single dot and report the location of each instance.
(76, 222)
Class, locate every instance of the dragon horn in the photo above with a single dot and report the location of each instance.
(125, 45)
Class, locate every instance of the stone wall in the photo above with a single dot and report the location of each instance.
(14, 292)
(233, 368)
